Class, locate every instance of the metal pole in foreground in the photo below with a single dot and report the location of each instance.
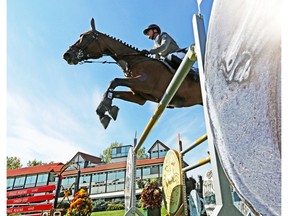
(193, 145)
(175, 83)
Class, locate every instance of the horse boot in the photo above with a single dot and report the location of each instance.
(113, 111)
(107, 102)
(105, 120)
(104, 106)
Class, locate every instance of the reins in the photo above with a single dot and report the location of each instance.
(100, 62)
(96, 38)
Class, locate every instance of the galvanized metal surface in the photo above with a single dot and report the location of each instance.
(242, 82)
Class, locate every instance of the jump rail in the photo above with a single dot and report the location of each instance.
(181, 73)
(224, 202)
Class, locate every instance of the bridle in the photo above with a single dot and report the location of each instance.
(80, 52)
(81, 55)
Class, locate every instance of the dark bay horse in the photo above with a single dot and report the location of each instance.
(146, 77)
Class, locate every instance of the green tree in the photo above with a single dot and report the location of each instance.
(36, 163)
(13, 163)
(141, 153)
(107, 153)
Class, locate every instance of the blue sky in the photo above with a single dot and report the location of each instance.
(51, 105)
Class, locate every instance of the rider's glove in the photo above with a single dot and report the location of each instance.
(144, 52)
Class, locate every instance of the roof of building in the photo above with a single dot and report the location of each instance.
(156, 142)
(46, 168)
(87, 157)
(55, 167)
(113, 166)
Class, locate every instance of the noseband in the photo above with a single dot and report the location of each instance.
(81, 55)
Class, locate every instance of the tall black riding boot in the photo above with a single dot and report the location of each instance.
(174, 62)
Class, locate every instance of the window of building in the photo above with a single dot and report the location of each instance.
(9, 183)
(120, 175)
(120, 186)
(146, 171)
(98, 189)
(154, 170)
(85, 182)
(154, 154)
(42, 179)
(111, 187)
(162, 153)
(85, 179)
(121, 151)
(111, 176)
(67, 182)
(98, 178)
(19, 182)
(30, 181)
(138, 172)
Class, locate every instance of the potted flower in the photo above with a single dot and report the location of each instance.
(151, 198)
(81, 205)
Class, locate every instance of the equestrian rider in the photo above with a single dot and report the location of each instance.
(165, 47)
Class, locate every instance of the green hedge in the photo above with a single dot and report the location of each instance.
(113, 206)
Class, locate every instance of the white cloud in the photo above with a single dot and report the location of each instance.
(43, 130)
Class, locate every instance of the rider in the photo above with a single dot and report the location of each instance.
(165, 47)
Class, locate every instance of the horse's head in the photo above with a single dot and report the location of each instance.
(87, 47)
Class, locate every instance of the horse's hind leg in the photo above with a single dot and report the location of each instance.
(130, 96)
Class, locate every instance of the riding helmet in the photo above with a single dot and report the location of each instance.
(152, 26)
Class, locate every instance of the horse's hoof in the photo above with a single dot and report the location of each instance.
(114, 112)
(105, 121)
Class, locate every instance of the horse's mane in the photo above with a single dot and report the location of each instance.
(131, 46)
(122, 42)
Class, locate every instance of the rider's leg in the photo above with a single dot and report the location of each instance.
(175, 59)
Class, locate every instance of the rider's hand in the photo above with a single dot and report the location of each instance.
(144, 52)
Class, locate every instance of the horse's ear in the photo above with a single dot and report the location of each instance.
(93, 24)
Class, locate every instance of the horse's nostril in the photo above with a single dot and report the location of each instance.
(66, 56)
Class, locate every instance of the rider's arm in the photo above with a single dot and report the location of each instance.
(164, 44)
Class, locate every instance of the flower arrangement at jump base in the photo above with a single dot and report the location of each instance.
(151, 198)
(81, 205)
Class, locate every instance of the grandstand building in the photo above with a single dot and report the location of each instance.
(102, 180)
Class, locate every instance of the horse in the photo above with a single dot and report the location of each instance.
(146, 77)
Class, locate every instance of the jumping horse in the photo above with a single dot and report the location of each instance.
(146, 77)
